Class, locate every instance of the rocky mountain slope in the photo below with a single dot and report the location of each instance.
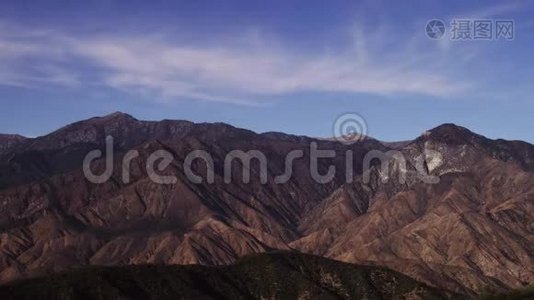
(461, 220)
(281, 275)
(9, 140)
(473, 229)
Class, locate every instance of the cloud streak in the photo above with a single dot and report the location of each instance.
(166, 71)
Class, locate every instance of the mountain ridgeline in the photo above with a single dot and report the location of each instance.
(469, 230)
(278, 275)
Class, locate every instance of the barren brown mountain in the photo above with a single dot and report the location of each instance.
(471, 231)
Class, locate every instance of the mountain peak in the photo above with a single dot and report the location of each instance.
(450, 133)
(450, 128)
(117, 115)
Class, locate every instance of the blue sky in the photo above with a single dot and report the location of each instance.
(291, 66)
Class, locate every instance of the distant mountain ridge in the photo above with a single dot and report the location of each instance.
(9, 140)
(281, 275)
(469, 232)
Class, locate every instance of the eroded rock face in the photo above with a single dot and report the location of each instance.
(470, 230)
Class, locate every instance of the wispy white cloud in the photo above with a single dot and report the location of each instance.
(373, 64)
(32, 58)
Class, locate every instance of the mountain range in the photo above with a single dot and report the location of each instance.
(455, 212)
